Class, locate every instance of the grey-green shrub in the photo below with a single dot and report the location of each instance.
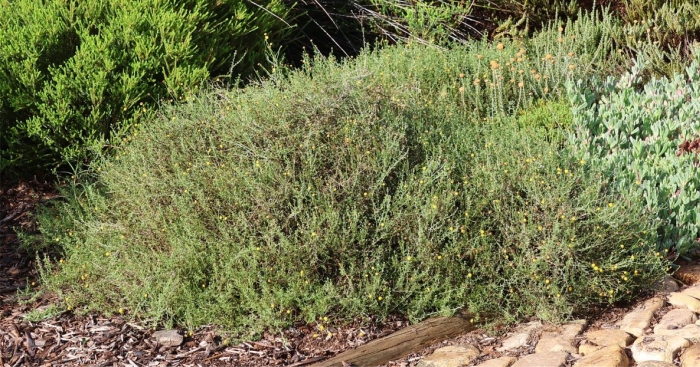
(370, 187)
(635, 130)
(76, 76)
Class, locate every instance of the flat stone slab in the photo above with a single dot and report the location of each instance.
(693, 291)
(168, 338)
(610, 356)
(521, 337)
(498, 362)
(685, 301)
(674, 319)
(560, 339)
(607, 337)
(546, 359)
(689, 332)
(637, 321)
(657, 348)
(691, 356)
(655, 364)
(450, 356)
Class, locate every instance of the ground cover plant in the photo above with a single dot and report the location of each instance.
(397, 182)
(646, 133)
(75, 77)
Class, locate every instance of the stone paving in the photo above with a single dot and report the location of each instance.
(674, 340)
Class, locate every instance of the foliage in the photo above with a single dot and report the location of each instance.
(662, 32)
(432, 21)
(636, 130)
(547, 115)
(389, 184)
(519, 19)
(77, 76)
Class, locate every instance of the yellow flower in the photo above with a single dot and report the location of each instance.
(572, 67)
(499, 46)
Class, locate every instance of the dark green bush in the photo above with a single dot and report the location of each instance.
(75, 76)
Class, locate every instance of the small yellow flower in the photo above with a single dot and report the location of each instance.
(479, 56)
(572, 67)
(499, 46)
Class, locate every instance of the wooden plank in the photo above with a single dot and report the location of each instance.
(403, 342)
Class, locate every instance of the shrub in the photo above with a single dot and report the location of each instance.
(547, 115)
(76, 77)
(638, 132)
(662, 32)
(342, 190)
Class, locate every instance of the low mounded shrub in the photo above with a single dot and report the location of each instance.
(77, 76)
(643, 133)
(340, 191)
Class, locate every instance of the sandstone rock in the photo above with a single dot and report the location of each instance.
(666, 285)
(689, 332)
(498, 362)
(520, 337)
(547, 359)
(657, 348)
(684, 300)
(692, 291)
(639, 319)
(610, 356)
(561, 338)
(691, 357)
(606, 337)
(168, 338)
(585, 349)
(674, 319)
(451, 356)
(655, 364)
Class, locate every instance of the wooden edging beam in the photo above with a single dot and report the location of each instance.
(403, 342)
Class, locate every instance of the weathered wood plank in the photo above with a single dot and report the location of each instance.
(403, 342)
